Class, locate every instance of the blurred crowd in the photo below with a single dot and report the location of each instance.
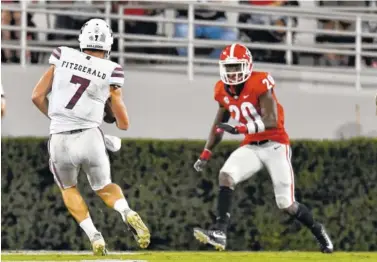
(72, 22)
(14, 18)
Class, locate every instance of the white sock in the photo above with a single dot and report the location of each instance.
(122, 207)
(89, 228)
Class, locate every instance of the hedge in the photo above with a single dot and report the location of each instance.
(337, 180)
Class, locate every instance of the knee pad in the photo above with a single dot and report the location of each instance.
(226, 179)
(283, 202)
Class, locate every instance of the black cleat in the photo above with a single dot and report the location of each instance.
(322, 238)
(215, 238)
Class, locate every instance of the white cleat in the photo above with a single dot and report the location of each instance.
(138, 229)
(215, 238)
(99, 245)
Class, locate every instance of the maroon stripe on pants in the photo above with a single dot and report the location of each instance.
(103, 138)
(48, 145)
(52, 166)
(57, 176)
(287, 154)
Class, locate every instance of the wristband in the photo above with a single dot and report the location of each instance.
(242, 129)
(206, 154)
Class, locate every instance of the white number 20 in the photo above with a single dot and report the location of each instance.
(269, 82)
(248, 111)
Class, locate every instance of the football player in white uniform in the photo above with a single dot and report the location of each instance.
(79, 84)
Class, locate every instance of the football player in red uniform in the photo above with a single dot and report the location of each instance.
(248, 97)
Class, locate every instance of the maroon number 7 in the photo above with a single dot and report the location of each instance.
(84, 83)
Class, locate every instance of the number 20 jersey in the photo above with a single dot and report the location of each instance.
(80, 89)
(245, 107)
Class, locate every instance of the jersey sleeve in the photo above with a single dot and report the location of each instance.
(117, 76)
(55, 56)
(266, 83)
(217, 94)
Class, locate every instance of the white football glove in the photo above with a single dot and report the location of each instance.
(203, 159)
(200, 164)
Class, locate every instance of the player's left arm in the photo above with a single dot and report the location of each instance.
(3, 102)
(118, 107)
(42, 89)
(269, 109)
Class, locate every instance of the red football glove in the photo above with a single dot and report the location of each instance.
(205, 155)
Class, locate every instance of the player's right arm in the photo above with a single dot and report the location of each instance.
(215, 137)
(44, 86)
(42, 89)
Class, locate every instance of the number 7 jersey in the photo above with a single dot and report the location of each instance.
(80, 88)
(245, 107)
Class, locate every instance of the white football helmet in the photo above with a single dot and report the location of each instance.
(96, 34)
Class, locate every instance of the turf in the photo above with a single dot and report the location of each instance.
(198, 256)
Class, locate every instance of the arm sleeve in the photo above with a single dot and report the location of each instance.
(117, 76)
(55, 56)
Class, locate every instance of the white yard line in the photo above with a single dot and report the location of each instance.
(96, 260)
(64, 252)
(52, 252)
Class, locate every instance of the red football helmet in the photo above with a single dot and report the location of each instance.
(236, 63)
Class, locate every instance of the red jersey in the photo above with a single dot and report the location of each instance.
(245, 107)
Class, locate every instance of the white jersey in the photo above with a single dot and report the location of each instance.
(80, 89)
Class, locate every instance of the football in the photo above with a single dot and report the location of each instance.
(108, 116)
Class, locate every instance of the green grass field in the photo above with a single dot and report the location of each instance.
(194, 256)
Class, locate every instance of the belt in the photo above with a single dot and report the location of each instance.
(73, 131)
(259, 143)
